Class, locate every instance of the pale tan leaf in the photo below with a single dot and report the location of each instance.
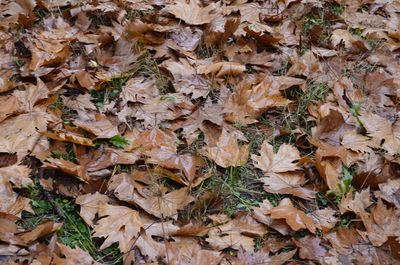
(69, 137)
(118, 224)
(40, 231)
(182, 253)
(234, 241)
(74, 256)
(97, 124)
(295, 218)
(222, 69)
(227, 151)
(90, 204)
(287, 183)
(282, 161)
(17, 174)
(19, 134)
(192, 13)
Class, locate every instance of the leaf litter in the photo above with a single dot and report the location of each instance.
(199, 132)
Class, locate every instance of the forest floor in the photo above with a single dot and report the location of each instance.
(199, 132)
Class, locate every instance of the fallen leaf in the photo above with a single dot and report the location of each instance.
(192, 13)
(295, 218)
(17, 174)
(310, 248)
(382, 132)
(282, 161)
(260, 257)
(287, 183)
(40, 231)
(325, 218)
(69, 137)
(20, 134)
(90, 204)
(153, 200)
(222, 69)
(234, 241)
(118, 224)
(181, 253)
(243, 224)
(97, 124)
(227, 151)
(67, 167)
(74, 256)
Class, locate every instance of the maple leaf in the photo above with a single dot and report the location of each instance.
(381, 223)
(191, 253)
(74, 256)
(243, 224)
(186, 80)
(349, 40)
(249, 101)
(153, 200)
(192, 13)
(282, 161)
(358, 142)
(227, 151)
(17, 174)
(20, 134)
(310, 248)
(222, 69)
(234, 241)
(31, 95)
(40, 231)
(389, 191)
(194, 123)
(68, 167)
(382, 130)
(260, 257)
(118, 224)
(287, 183)
(295, 218)
(79, 103)
(69, 137)
(325, 218)
(97, 124)
(90, 204)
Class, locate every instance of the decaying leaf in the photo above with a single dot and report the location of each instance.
(118, 224)
(295, 218)
(282, 161)
(90, 204)
(227, 151)
(192, 13)
(191, 253)
(141, 116)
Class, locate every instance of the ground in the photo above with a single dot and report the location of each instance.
(199, 132)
